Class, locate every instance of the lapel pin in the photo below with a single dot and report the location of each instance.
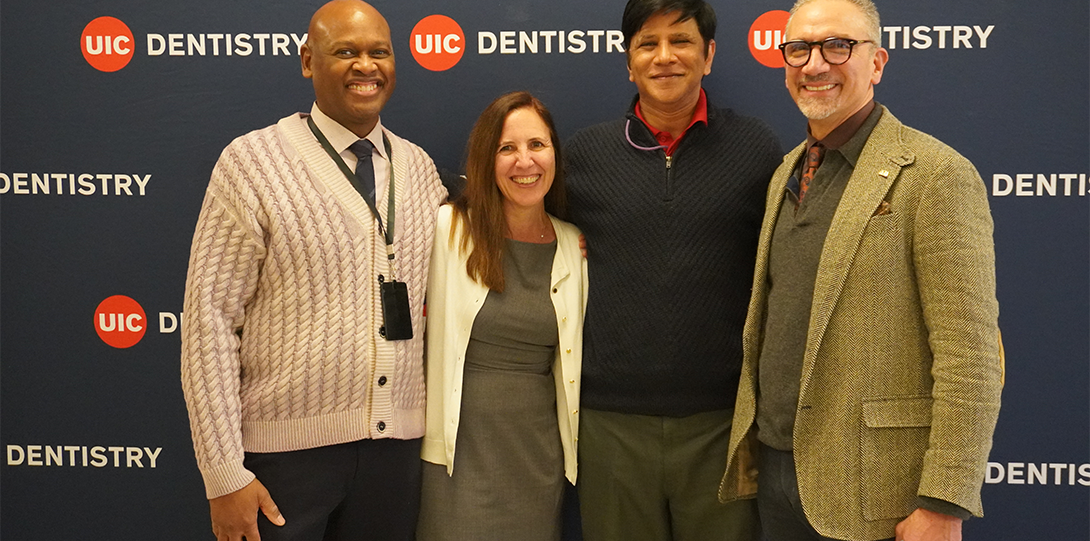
(883, 173)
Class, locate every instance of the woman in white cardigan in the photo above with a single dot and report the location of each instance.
(506, 296)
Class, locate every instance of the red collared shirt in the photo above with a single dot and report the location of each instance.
(664, 138)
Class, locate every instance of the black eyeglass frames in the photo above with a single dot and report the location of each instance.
(835, 51)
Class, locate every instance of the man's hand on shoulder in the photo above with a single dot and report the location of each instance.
(234, 515)
(924, 525)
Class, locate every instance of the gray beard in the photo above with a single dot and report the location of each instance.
(818, 109)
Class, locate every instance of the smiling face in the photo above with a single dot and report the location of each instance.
(350, 59)
(525, 161)
(828, 95)
(666, 60)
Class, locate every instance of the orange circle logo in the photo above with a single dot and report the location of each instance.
(120, 321)
(765, 37)
(107, 44)
(437, 42)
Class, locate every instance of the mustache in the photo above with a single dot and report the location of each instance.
(819, 78)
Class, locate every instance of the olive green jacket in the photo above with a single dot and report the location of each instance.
(900, 381)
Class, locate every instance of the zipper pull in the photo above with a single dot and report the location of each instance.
(669, 161)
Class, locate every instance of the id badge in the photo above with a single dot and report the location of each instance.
(397, 323)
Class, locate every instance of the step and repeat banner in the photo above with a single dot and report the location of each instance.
(114, 111)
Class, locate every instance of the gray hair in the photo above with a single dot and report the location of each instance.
(870, 14)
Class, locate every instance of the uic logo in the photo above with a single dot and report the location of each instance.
(765, 37)
(437, 42)
(107, 44)
(120, 321)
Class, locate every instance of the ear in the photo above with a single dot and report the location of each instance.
(881, 56)
(304, 60)
(710, 57)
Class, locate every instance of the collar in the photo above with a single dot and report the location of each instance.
(340, 137)
(851, 136)
(700, 114)
(842, 133)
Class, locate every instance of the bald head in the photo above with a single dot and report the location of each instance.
(350, 58)
(340, 11)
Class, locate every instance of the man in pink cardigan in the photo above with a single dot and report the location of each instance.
(299, 389)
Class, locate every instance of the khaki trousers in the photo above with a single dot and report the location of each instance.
(651, 478)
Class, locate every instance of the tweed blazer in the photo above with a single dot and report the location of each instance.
(900, 381)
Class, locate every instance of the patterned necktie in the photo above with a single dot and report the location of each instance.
(365, 171)
(813, 161)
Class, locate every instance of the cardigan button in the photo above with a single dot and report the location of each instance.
(381, 381)
(381, 426)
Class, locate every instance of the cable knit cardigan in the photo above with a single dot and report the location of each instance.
(280, 346)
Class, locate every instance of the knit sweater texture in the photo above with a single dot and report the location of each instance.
(281, 348)
(671, 247)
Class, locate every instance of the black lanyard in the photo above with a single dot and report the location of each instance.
(388, 234)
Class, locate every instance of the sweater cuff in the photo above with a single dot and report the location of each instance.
(944, 507)
(225, 479)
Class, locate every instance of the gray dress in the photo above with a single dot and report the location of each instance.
(509, 464)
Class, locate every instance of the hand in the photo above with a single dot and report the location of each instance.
(924, 525)
(583, 245)
(234, 515)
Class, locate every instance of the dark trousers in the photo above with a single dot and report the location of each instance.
(778, 501)
(363, 490)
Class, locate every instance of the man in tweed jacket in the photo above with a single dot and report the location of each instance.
(295, 396)
(871, 380)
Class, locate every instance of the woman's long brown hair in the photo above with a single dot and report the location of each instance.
(480, 206)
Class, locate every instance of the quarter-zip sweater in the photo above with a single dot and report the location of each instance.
(671, 245)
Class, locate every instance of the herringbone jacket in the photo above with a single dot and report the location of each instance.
(901, 375)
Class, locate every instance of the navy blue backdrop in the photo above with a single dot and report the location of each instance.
(102, 174)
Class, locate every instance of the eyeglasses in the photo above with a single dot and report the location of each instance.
(835, 51)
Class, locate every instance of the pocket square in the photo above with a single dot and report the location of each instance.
(882, 209)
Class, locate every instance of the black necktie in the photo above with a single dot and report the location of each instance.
(365, 171)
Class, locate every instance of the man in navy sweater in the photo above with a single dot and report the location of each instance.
(670, 199)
